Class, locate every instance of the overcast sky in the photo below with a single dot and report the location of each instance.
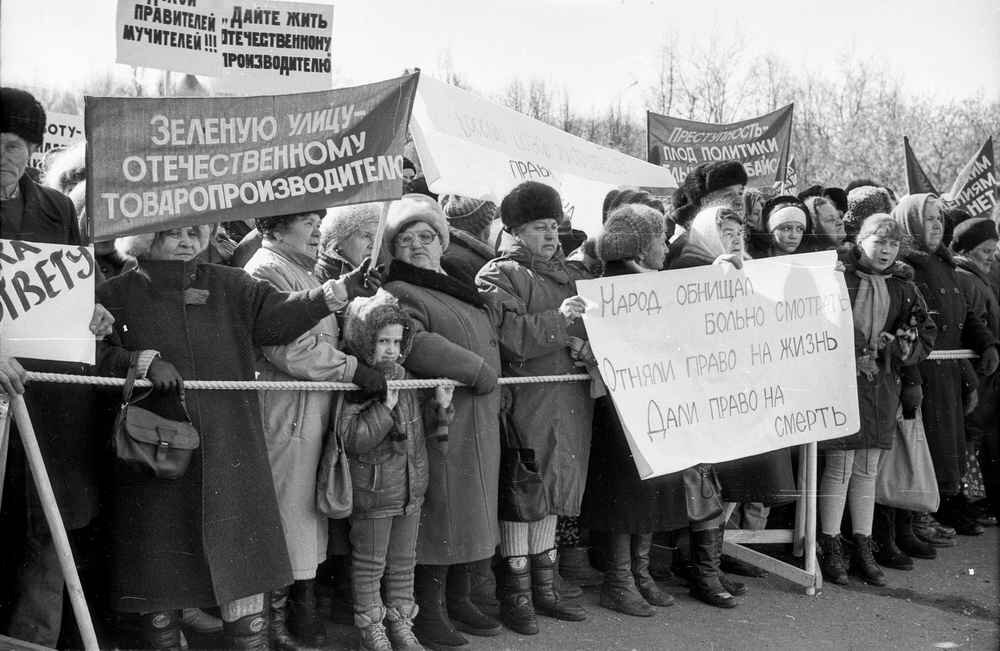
(595, 48)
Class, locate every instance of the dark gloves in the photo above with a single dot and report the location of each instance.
(164, 376)
(910, 398)
(486, 380)
(371, 381)
(363, 281)
(989, 361)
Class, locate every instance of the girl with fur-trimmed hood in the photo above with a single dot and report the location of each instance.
(385, 440)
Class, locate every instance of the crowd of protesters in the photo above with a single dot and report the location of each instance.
(235, 553)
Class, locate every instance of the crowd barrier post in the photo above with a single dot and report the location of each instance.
(4, 438)
(36, 464)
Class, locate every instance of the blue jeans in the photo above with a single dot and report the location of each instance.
(383, 547)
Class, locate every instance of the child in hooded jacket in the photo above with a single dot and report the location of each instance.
(386, 440)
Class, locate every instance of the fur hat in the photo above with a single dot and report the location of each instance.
(702, 180)
(363, 319)
(972, 232)
(138, 246)
(529, 201)
(722, 174)
(628, 232)
(467, 214)
(811, 191)
(414, 208)
(342, 222)
(21, 114)
(622, 196)
(864, 201)
(837, 196)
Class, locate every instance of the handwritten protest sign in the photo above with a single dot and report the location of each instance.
(760, 143)
(975, 189)
(46, 301)
(469, 145)
(155, 163)
(267, 46)
(707, 365)
(61, 131)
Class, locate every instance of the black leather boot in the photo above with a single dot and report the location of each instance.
(706, 553)
(517, 612)
(545, 596)
(831, 559)
(642, 545)
(281, 639)
(464, 614)
(864, 561)
(432, 625)
(484, 586)
(304, 621)
(734, 587)
(884, 534)
(907, 541)
(161, 630)
(249, 632)
(619, 592)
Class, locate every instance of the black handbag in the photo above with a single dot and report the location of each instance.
(702, 493)
(522, 493)
(148, 442)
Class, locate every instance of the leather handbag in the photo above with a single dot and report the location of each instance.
(523, 497)
(334, 490)
(148, 442)
(906, 478)
(702, 493)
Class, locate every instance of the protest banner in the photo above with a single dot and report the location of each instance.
(61, 131)
(156, 163)
(791, 185)
(469, 145)
(975, 189)
(46, 301)
(710, 364)
(760, 143)
(917, 181)
(257, 46)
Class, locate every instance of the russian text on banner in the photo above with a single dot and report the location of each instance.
(156, 163)
(61, 131)
(708, 364)
(46, 301)
(761, 144)
(471, 146)
(975, 189)
(917, 181)
(261, 45)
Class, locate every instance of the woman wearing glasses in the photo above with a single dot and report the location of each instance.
(454, 336)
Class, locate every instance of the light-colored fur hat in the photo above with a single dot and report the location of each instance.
(138, 246)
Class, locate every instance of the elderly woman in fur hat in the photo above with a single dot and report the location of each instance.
(214, 535)
(346, 236)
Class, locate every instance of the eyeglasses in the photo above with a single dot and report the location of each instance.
(406, 240)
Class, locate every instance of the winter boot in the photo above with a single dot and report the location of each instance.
(248, 632)
(831, 559)
(544, 595)
(484, 586)
(884, 533)
(432, 625)
(373, 635)
(281, 639)
(464, 614)
(619, 592)
(731, 585)
(400, 629)
(706, 553)
(864, 561)
(924, 528)
(161, 630)
(642, 545)
(517, 612)
(953, 513)
(567, 589)
(907, 541)
(574, 567)
(304, 621)
(197, 620)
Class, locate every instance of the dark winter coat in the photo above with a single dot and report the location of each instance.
(554, 419)
(982, 294)
(455, 336)
(214, 534)
(878, 396)
(330, 266)
(943, 385)
(616, 498)
(466, 254)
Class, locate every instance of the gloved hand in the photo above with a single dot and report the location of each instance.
(989, 361)
(910, 398)
(363, 281)
(164, 376)
(371, 381)
(486, 380)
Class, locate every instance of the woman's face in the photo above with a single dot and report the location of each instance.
(419, 245)
(655, 253)
(788, 236)
(731, 234)
(830, 222)
(301, 234)
(540, 236)
(878, 252)
(982, 255)
(754, 215)
(181, 244)
(358, 245)
(933, 225)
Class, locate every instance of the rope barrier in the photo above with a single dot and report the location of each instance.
(962, 353)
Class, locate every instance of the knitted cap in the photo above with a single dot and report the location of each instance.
(865, 201)
(412, 208)
(973, 232)
(21, 114)
(342, 222)
(628, 232)
(529, 201)
(467, 214)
